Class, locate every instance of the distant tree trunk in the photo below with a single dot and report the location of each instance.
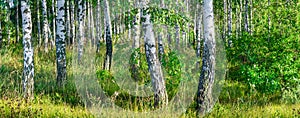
(39, 24)
(199, 31)
(162, 3)
(160, 46)
(136, 26)
(240, 16)
(53, 23)
(246, 17)
(177, 36)
(68, 23)
(81, 15)
(28, 71)
(269, 22)
(45, 25)
(17, 25)
(92, 24)
(229, 21)
(108, 38)
(72, 20)
(225, 20)
(61, 44)
(251, 17)
(98, 24)
(204, 94)
(8, 7)
(154, 66)
(88, 31)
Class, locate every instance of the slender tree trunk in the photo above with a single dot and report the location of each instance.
(199, 31)
(98, 24)
(240, 16)
(92, 24)
(246, 17)
(39, 23)
(17, 25)
(45, 25)
(28, 71)
(204, 94)
(81, 15)
(136, 27)
(237, 28)
(251, 17)
(68, 23)
(108, 38)
(154, 66)
(177, 36)
(72, 25)
(269, 22)
(225, 21)
(8, 7)
(229, 21)
(61, 44)
(196, 16)
(53, 23)
(89, 33)
(160, 46)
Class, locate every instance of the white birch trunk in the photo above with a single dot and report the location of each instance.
(154, 66)
(81, 15)
(98, 24)
(17, 25)
(72, 20)
(68, 23)
(60, 43)
(28, 71)
(206, 80)
(45, 25)
(108, 37)
(53, 23)
(136, 27)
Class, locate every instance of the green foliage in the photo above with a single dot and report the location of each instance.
(268, 67)
(172, 66)
(268, 59)
(160, 16)
(139, 67)
(107, 82)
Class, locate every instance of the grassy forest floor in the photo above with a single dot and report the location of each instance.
(234, 101)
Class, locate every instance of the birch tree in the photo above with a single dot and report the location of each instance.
(72, 25)
(17, 25)
(154, 66)
(68, 23)
(81, 15)
(60, 43)
(8, 13)
(206, 80)
(136, 26)
(225, 19)
(246, 17)
(28, 70)
(229, 16)
(45, 25)
(98, 24)
(39, 23)
(53, 23)
(107, 36)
